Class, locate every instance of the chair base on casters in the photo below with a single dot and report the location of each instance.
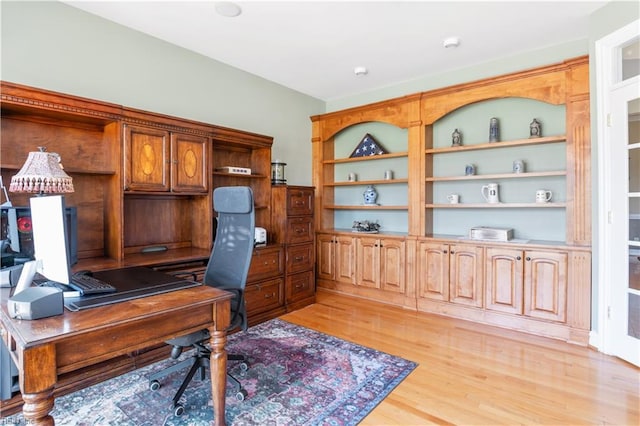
(200, 361)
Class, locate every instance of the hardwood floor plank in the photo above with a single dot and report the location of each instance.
(474, 374)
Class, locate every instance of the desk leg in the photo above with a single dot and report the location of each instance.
(37, 381)
(218, 367)
(37, 406)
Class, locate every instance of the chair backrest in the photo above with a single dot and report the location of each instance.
(233, 245)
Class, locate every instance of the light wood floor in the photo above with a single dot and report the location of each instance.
(471, 374)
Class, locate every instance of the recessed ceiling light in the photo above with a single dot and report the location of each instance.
(228, 9)
(360, 71)
(451, 42)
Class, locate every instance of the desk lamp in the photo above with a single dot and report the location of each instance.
(42, 174)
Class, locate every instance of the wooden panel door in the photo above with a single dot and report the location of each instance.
(345, 260)
(325, 253)
(433, 271)
(466, 274)
(368, 262)
(392, 261)
(504, 280)
(146, 159)
(189, 172)
(545, 285)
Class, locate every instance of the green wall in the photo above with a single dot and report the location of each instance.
(57, 47)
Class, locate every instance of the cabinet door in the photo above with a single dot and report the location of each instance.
(345, 261)
(189, 171)
(392, 269)
(325, 253)
(465, 274)
(368, 262)
(433, 271)
(504, 280)
(545, 285)
(146, 159)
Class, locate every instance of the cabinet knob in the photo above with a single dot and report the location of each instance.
(528, 258)
(518, 258)
(453, 252)
(444, 251)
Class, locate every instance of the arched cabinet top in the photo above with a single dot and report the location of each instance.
(554, 84)
(400, 112)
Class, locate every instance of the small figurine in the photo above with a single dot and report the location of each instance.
(365, 226)
(456, 138)
(494, 131)
(535, 129)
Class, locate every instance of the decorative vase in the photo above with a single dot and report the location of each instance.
(370, 195)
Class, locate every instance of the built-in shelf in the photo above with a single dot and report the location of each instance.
(368, 182)
(240, 175)
(70, 171)
(364, 207)
(494, 145)
(496, 176)
(367, 158)
(496, 205)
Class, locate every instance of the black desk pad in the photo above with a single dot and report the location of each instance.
(131, 283)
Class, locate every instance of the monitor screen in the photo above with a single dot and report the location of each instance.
(49, 237)
(17, 235)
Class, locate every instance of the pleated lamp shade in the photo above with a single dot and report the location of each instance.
(42, 173)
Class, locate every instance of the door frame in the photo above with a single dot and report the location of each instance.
(606, 69)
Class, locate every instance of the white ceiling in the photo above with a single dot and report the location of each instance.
(313, 46)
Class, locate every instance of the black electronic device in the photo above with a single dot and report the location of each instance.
(89, 285)
(16, 229)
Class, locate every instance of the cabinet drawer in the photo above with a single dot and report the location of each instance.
(299, 230)
(300, 258)
(266, 263)
(264, 296)
(300, 285)
(299, 201)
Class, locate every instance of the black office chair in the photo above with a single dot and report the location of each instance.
(227, 269)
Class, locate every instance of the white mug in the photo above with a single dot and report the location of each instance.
(543, 196)
(352, 177)
(388, 174)
(490, 193)
(453, 198)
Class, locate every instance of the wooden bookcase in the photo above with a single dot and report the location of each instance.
(142, 179)
(444, 272)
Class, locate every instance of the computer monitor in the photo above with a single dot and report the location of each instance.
(50, 245)
(17, 236)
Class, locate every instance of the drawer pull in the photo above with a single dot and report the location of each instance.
(300, 286)
(269, 295)
(298, 258)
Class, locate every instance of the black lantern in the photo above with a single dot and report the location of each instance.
(277, 173)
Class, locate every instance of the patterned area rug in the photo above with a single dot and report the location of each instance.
(297, 376)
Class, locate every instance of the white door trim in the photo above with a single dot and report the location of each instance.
(606, 71)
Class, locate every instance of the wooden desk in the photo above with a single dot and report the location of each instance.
(45, 348)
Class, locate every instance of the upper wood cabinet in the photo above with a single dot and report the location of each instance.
(142, 179)
(189, 165)
(158, 160)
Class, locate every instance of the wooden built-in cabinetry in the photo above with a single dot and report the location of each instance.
(145, 180)
(423, 258)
